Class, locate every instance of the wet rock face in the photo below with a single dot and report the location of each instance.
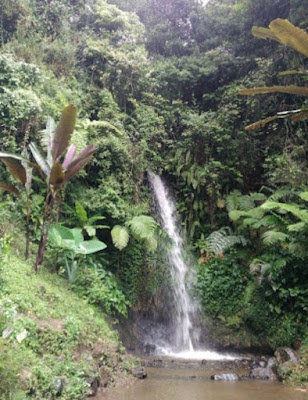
(284, 354)
(286, 359)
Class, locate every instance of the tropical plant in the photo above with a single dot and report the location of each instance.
(55, 173)
(52, 170)
(142, 227)
(219, 241)
(72, 244)
(285, 33)
(88, 224)
(21, 169)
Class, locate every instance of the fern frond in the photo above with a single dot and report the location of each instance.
(142, 227)
(220, 241)
(291, 208)
(304, 196)
(298, 227)
(274, 237)
(119, 236)
(232, 200)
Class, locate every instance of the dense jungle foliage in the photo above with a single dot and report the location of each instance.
(156, 84)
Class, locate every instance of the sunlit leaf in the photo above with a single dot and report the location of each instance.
(304, 196)
(292, 89)
(260, 124)
(264, 33)
(90, 246)
(293, 72)
(64, 131)
(290, 35)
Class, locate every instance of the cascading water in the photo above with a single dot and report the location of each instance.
(184, 341)
(183, 307)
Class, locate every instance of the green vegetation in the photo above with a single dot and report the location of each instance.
(53, 340)
(158, 85)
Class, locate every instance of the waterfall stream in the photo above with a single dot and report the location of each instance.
(183, 306)
(184, 342)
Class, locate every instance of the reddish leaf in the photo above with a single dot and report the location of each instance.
(69, 156)
(64, 131)
(15, 168)
(9, 188)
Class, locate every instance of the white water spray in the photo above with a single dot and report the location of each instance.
(182, 302)
(182, 345)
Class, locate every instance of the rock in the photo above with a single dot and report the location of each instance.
(140, 373)
(263, 374)
(285, 369)
(284, 354)
(94, 384)
(59, 385)
(225, 377)
(272, 363)
(104, 376)
(149, 349)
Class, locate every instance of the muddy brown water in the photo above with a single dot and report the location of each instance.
(189, 384)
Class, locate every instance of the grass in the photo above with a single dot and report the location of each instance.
(54, 343)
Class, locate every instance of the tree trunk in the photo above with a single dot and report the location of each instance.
(49, 203)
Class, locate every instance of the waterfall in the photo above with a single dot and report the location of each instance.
(182, 304)
(184, 340)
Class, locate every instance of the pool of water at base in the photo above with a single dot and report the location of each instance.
(188, 384)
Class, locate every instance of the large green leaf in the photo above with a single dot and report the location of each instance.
(90, 246)
(119, 236)
(78, 236)
(58, 234)
(64, 131)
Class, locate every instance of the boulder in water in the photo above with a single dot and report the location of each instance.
(263, 374)
(225, 377)
(140, 373)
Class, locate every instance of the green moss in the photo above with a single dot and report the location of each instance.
(53, 337)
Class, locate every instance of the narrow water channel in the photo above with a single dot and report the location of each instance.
(188, 384)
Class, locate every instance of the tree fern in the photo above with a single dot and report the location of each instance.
(221, 240)
(274, 237)
(300, 213)
(142, 227)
